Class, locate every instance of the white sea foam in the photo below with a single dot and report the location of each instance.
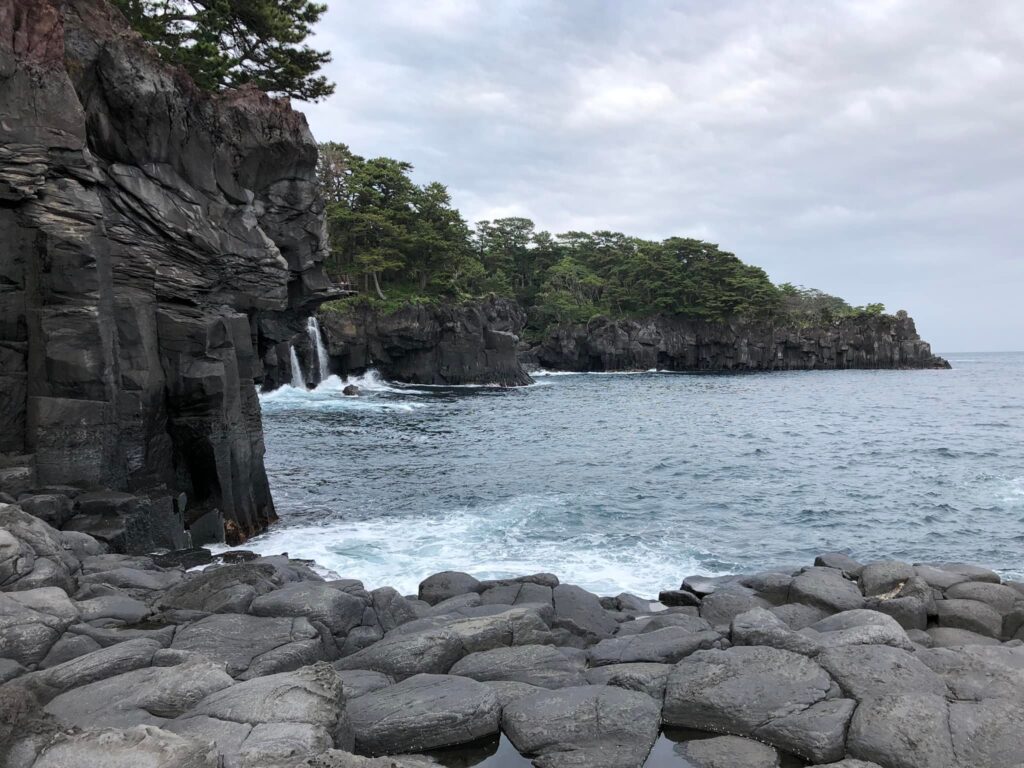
(329, 394)
(499, 541)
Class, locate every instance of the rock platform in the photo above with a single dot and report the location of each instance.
(113, 659)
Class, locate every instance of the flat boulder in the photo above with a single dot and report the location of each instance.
(972, 615)
(250, 646)
(148, 696)
(727, 752)
(952, 637)
(644, 677)
(31, 622)
(825, 588)
(446, 584)
(435, 647)
(338, 611)
(312, 695)
(424, 712)
(840, 562)
(977, 672)
(662, 646)
(358, 682)
(580, 612)
(139, 747)
(595, 726)
(884, 577)
(771, 694)
(988, 734)
(224, 589)
(1001, 597)
(541, 665)
(903, 731)
(726, 603)
(863, 671)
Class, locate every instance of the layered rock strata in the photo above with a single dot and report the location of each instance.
(161, 245)
(679, 344)
(110, 659)
(469, 343)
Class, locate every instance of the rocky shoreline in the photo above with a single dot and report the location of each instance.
(258, 661)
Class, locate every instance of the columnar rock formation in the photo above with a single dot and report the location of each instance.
(469, 343)
(118, 659)
(160, 245)
(680, 344)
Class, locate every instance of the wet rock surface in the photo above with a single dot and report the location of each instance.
(265, 663)
(161, 246)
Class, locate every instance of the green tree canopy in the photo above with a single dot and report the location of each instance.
(229, 43)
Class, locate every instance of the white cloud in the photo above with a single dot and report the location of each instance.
(867, 147)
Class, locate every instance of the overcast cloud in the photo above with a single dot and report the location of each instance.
(871, 149)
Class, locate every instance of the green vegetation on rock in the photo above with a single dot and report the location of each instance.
(230, 43)
(400, 243)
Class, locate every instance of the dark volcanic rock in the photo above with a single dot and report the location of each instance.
(680, 344)
(471, 343)
(156, 241)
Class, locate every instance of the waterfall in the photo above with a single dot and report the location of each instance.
(316, 342)
(297, 381)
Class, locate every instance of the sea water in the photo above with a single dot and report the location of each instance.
(629, 482)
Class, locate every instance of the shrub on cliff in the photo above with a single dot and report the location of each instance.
(229, 43)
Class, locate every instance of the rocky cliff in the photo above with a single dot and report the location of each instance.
(470, 343)
(679, 344)
(160, 243)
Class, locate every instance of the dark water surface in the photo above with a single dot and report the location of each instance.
(632, 481)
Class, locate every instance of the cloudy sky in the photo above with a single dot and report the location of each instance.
(872, 149)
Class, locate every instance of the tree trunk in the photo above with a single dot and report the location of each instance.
(376, 284)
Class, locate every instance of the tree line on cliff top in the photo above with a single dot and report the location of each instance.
(399, 242)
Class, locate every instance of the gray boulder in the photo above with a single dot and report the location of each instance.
(863, 671)
(225, 589)
(662, 646)
(1001, 597)
(825, 588)
(939, 578)
(678, 597)
(771, 694)
(336, 758)
(972, 615)
(31, 621)
(861, 627)
(32, 554)
(970, 572)
(337, 610)
(423, 712)
(139, 747)
(435, 648)
(392, 609)
(149, 696)
(727, 752)
(91, 667)
(311, 695)
(358, 682)
(799, 615)
(988, 734)
(250, 646)
(909, 612)
(596, 726)
(903, 731)
(661, 620)
(884, 577)
(119, 609)
(951, 637)
(977, 672)
(840, 562)
(446, 584)
(726, 603)
(641, 676)
(509, 691)
(580, 612)
(762, 627)
(539, 665)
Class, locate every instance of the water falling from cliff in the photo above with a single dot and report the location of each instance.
(297, 380)
(316, 342)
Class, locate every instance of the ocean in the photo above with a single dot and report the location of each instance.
(630, 482)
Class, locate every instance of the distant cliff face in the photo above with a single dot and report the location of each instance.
(472, 343)
(679, 344)
(158, 242)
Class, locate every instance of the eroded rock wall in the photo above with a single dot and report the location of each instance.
(470, 343)
(158, 242)
(679, 344)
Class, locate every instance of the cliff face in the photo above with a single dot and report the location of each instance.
(472, 343)
(159, 242)
(678, 344)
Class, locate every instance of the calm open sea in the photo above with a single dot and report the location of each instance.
(632, 481)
